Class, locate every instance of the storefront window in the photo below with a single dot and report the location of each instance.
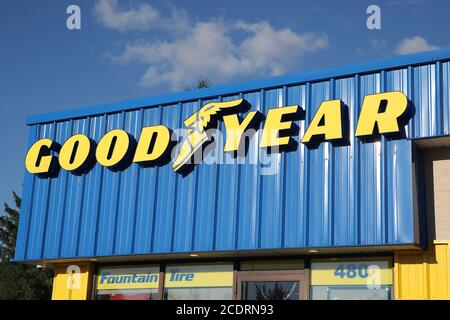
(350, 293)
(132, 283)
(351, 279)
(149, 294)
(270, 290)
(199, 282)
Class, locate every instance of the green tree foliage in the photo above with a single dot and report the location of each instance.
(202, 84)
(24, 282)
(8, 229)
(19, 281)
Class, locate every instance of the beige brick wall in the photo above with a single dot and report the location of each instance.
(437, 183)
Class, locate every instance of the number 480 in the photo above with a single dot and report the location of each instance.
(351, 271)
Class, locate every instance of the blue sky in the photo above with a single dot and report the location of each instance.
(135, 49)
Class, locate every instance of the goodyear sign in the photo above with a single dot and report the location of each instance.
(381, 114)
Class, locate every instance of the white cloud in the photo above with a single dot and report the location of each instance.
(112, 16)
(218, 51)
(209, 50)
(273, 51)
(412, 45)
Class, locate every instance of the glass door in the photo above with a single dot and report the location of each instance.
(272, 285)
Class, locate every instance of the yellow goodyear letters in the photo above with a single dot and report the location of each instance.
(39, 160)
(327, 124)
(237, 131)
(76, 154)
(153, 145)
(279, 127)
(114, 149)
(382, 113)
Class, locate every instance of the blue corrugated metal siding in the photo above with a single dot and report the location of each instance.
(356, 195)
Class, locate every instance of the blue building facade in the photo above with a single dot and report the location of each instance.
(358, 195)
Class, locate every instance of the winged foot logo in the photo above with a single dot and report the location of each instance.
(197, 126)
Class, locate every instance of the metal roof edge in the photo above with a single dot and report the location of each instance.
(233, 253)
(223, 90)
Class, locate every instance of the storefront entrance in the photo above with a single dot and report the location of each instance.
(272, 285)
(335, 278)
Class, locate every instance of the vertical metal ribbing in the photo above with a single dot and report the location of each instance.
(283, 167)
(331, 164)
(99, 203)
(357, 163)
(380, 179)
(216, 201)
(27, 201)
(119, 183)
(174, 211)
(136, 197)
(47, 204)
(83, 189)
(194, 217)
(307, 212)
(238, 198)
(411, 130)
(445, 87)
(410, 92)
(155, 196)
(63, 219)
(439, 100)
(384, 178)
(260, 183)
